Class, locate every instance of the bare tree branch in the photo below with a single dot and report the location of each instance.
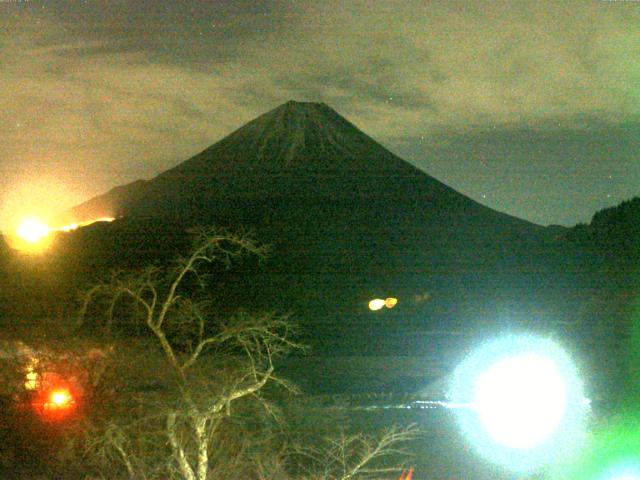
(190, 426)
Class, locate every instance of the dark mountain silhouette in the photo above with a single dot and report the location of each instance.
(303, 170)
(347, 220)
(611, 255)
(614, 234)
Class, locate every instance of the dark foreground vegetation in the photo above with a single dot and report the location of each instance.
(176, 375)
(163, 387)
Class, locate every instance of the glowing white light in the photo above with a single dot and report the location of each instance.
(376, 304)
(60, 399)
(35, 236)
(32, 230)
(69, 228)
(74, 226)
(519, 401)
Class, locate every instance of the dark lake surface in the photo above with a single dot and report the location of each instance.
(441, 452)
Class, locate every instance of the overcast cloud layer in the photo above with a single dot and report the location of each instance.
(532, 108)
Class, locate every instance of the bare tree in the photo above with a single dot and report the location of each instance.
(357, 456)
(184, 432)
(245, 345)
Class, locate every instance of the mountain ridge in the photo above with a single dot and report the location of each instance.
(346, 221)
(292, 140)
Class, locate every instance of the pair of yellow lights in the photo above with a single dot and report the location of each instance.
(378, 303)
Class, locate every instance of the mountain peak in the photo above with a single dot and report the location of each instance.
(294, 110)
(294, 114)
(306, 108)
(295, 135)
(298, 152)
(303, 105)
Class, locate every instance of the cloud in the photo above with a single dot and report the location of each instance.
(460, 65)
(88, 117)
(102, 94)
(553, 174)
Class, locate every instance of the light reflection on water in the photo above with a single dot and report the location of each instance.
(441, 453)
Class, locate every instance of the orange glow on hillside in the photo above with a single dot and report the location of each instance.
(34, 236)
(74, 226)
(32, 230)
(36, 204)
(55, 405)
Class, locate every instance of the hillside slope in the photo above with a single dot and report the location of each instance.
(304, 171)
(347, 220)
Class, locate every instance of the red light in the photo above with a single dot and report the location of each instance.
(55, 405)
(59, 399)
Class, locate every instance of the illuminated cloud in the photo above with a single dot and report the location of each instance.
(98, 94)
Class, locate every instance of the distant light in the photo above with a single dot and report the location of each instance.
(34, 236)
(55, 405)
(376, 304)
(521, 401)
(74, 226)
(69, 228)
(32, 231)
(60, 399)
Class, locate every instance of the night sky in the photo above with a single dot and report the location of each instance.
(532, 108)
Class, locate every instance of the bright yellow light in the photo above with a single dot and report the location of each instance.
(31, 236)
(69, 228)
(32, 231)
(390, 302)
(60, 398)
(34, 236)
(31, 380)
(376, 304)
(74, 226)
